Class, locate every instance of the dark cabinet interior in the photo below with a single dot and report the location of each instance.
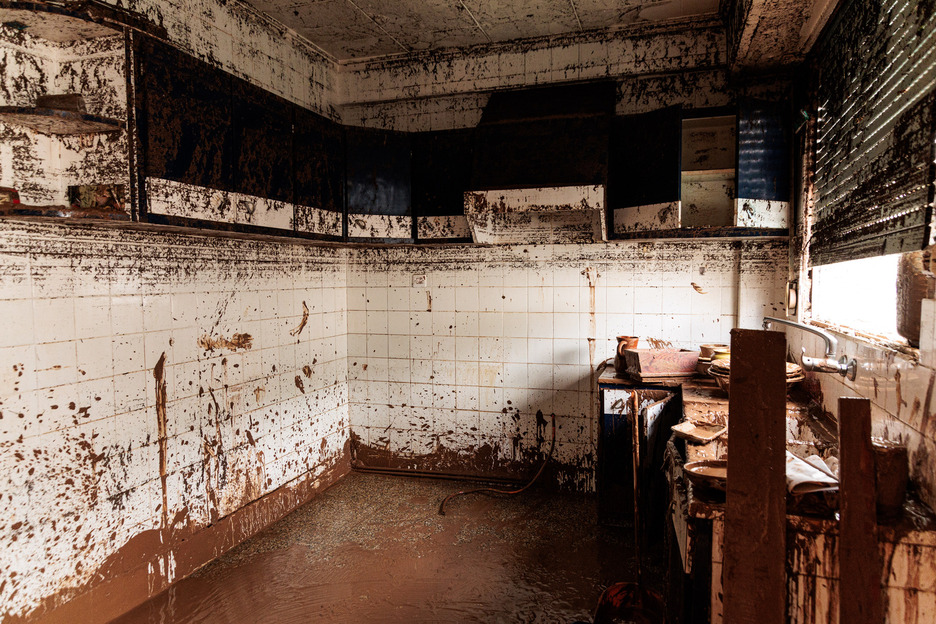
(442, 166)
(186, 128)
(378, 172)
(263, 133)
(644, 164)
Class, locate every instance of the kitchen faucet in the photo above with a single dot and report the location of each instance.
(843, 366)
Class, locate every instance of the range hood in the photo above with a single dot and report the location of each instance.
(540, 165)
(567, 214)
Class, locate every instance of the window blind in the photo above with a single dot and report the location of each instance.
(874, 77)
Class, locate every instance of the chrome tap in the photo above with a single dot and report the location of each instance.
(843, 366)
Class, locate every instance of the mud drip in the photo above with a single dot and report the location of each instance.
(371, 550)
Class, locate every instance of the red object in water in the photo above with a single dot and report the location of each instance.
(10, 195)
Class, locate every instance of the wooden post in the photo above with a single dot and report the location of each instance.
(755, 511)
(860, 599)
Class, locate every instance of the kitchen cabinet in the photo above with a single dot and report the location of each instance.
(707, 172)
(633, 430)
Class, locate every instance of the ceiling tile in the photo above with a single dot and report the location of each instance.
(349, 29)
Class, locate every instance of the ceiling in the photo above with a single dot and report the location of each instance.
(356, 29)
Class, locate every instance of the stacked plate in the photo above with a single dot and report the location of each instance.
(721, 371)
(710, 352)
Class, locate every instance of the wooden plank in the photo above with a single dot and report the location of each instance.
(859, 559)
(755, 512)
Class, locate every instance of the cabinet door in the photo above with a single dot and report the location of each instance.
(320, 173)
(644, 171)
(378, 172)
(186, 129)
(263, 126)
(763, 164)
(441, 172)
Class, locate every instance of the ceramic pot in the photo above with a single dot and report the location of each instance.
(624, 342)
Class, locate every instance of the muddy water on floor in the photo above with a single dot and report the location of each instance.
(350, 557)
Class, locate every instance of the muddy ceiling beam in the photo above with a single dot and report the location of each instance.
(769, 35)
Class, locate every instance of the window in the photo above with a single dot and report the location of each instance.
(859, 294)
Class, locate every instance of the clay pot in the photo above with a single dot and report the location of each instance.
(721, 353)
(706, 351)
(624, 342)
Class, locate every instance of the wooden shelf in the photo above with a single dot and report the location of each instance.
(58, 122)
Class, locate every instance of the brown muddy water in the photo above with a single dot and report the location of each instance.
(374, 549)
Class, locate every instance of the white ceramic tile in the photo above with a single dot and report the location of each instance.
(53, 320)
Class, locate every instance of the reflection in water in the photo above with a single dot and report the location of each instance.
(373, 549)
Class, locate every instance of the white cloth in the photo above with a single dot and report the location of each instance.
(810, 475)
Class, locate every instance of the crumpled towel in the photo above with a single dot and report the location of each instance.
(812, 475)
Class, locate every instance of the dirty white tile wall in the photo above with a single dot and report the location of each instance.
(456, 348)
(901, 392)
(241, 40)
(41, 167)
(249, 340)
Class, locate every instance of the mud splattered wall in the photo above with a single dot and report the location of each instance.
(42, 166)
(459, 355)
(901, 393)
(162, 397)
(239, 39)
(448, 89)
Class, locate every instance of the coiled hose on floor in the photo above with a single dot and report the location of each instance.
(552, 447)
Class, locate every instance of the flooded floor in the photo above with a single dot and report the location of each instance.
(373, 548)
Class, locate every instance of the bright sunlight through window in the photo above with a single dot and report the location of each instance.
(860, 294)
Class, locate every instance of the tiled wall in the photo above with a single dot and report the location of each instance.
(628, 51)
(441, 91)
(453, 350)
(150, 384)
(901, 392)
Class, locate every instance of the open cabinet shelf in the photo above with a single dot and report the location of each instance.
(58, 122)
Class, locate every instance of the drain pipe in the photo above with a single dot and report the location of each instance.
(552, 447)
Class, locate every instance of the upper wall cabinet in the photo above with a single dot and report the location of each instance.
(707, 188)
(705, 171)
(263, 139)
(217, 151)
(379, 184)
(442, 164)
(644, 171)
(763, 196)
(319, 161)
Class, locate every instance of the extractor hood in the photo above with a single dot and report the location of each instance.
(567, 214)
